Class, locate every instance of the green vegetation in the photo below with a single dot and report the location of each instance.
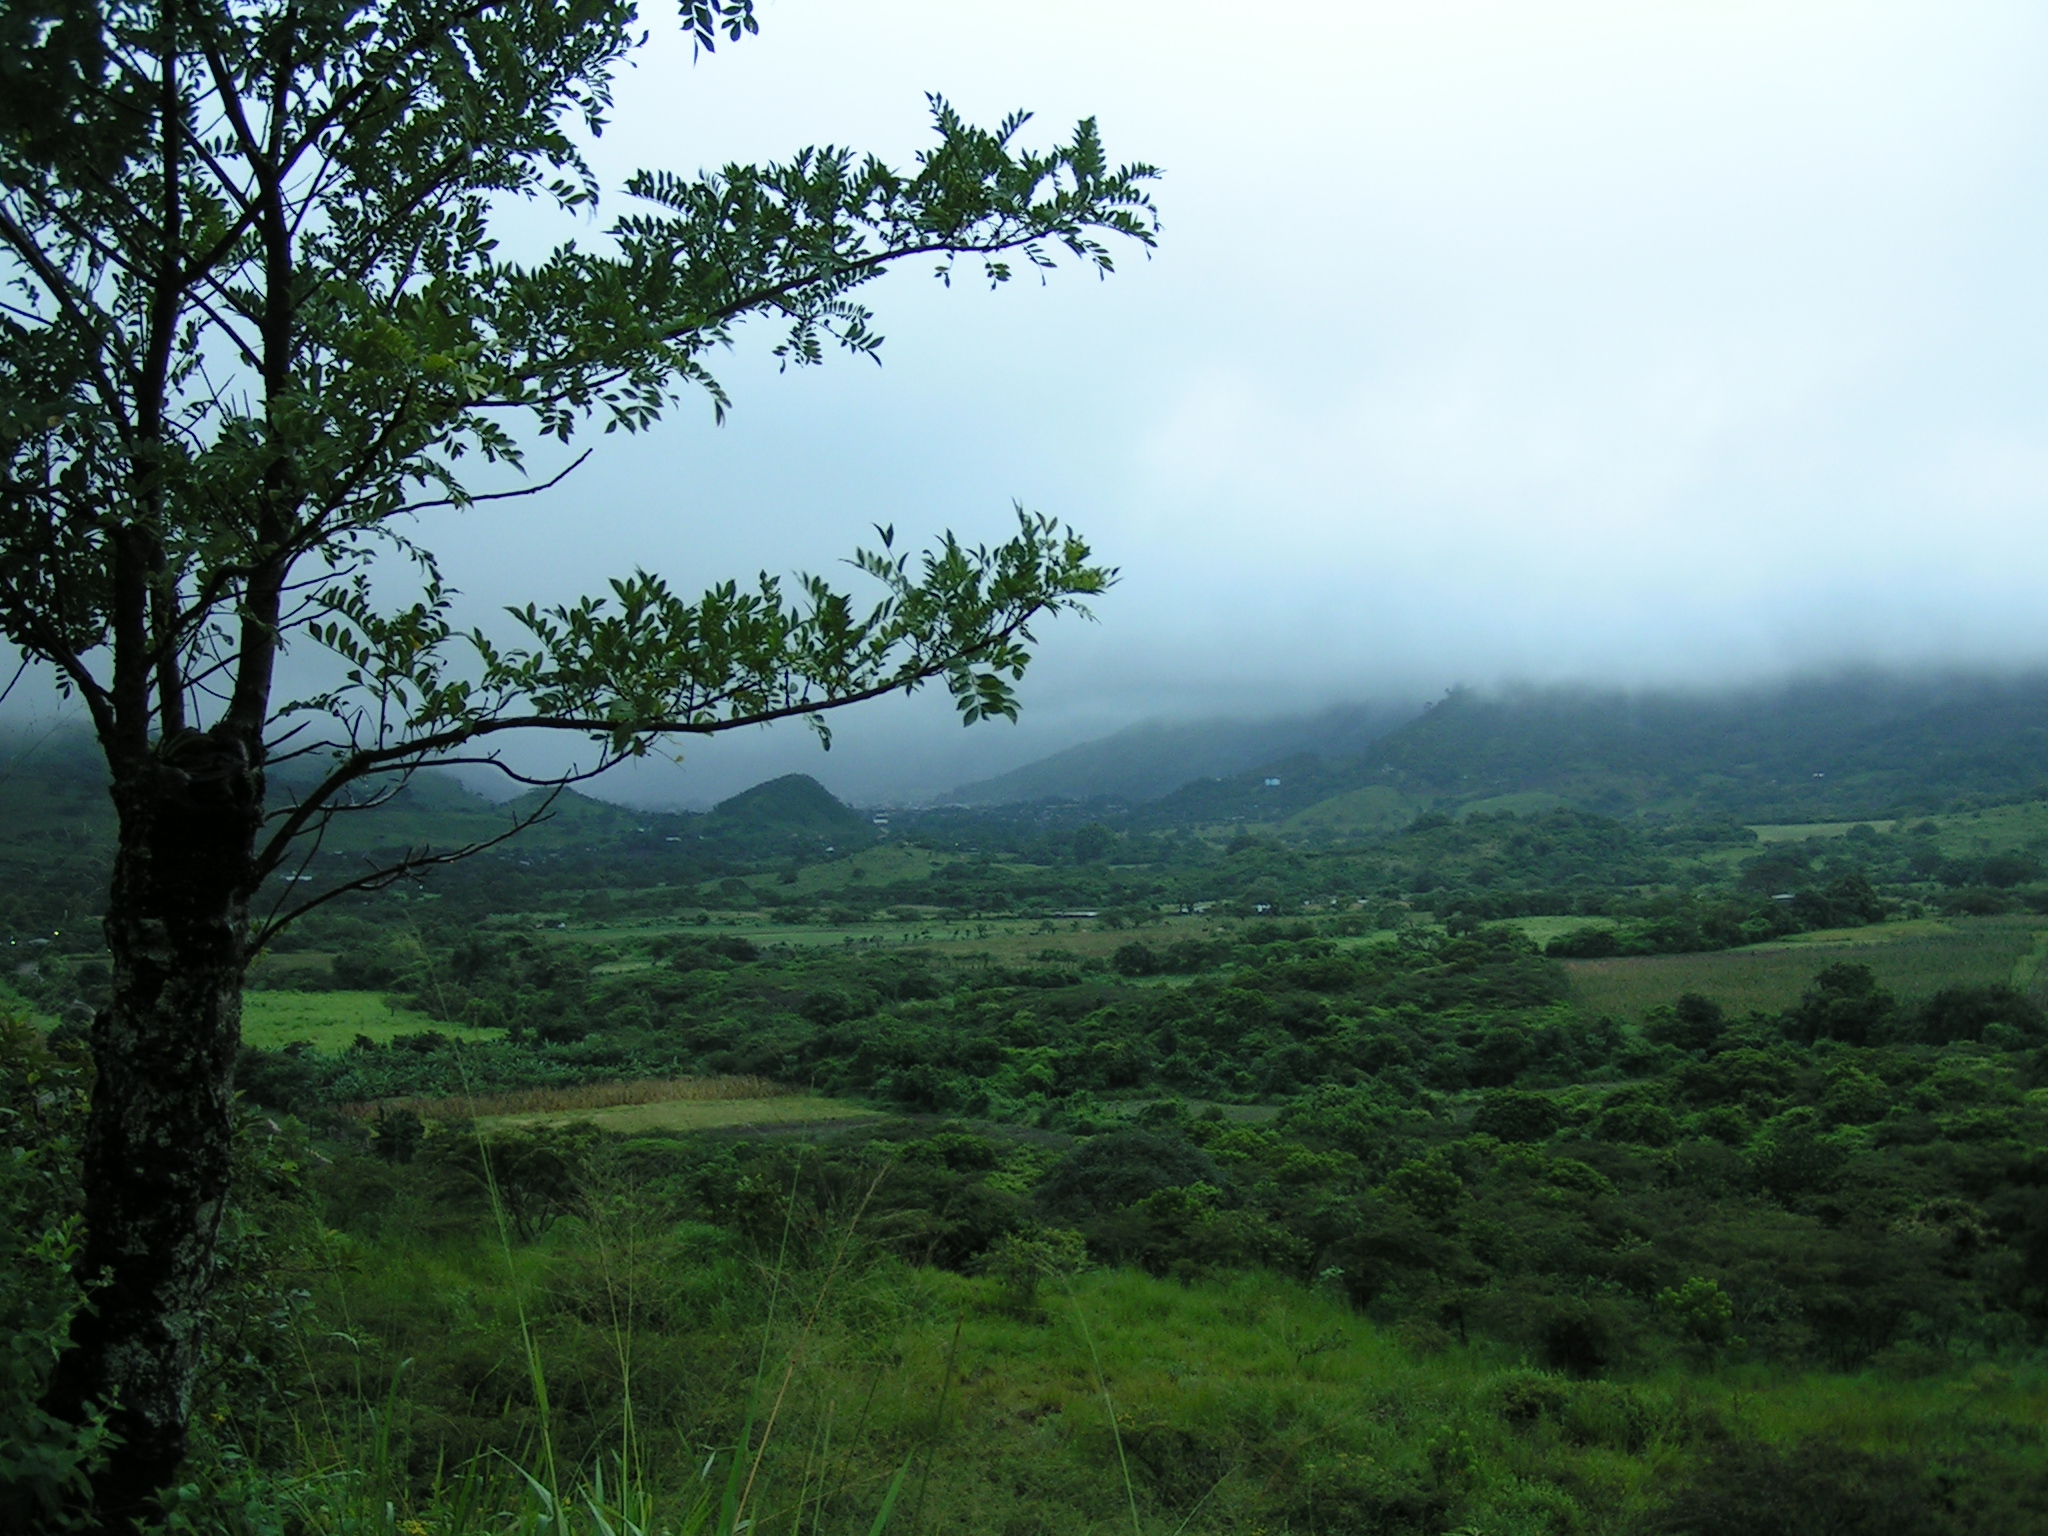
(1055, 1174)
(259, 320)
(1913, 957)
(331, 1022)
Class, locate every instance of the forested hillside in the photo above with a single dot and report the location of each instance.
(1823, 750)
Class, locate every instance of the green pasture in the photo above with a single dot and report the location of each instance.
(1375, 808)
(330, 1021)
(1997, 829)
(1912, 959)
(885, 864)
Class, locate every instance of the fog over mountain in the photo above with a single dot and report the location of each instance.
(1679, 346)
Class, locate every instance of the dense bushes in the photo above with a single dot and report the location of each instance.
(42, 1459)
(1822, 1487)
(1465, 1152)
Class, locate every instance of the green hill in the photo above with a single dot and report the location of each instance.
(796, 802)
(1815, 751)
(57, 837)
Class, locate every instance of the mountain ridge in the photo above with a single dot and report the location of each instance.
(1843, 748)
(1153, 758)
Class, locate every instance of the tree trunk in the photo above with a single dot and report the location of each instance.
(158, 1140)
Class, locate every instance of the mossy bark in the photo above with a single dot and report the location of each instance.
(159, 1138)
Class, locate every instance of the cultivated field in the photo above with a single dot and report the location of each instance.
(1912, 959)
(330, 1021)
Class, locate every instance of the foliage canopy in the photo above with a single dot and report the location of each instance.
(258, 316)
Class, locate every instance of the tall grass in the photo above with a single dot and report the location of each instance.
(355, 1472)
(1147, 1405)
(630, 1380)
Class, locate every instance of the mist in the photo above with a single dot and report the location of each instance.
(1486, 343)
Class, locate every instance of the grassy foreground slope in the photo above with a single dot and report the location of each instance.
(1116, 1401)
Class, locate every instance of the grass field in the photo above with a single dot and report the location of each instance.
(1375, 808)
(887, 864)
(330, 1021)
(1996, 830)
(1912, 959)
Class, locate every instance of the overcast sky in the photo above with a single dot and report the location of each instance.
(1627, 343)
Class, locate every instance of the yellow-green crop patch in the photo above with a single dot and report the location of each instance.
(330, 1021)
(698, 1114)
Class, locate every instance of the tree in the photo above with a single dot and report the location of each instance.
(253, 319)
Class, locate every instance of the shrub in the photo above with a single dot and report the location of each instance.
(1816, 1488)
(1855, 1098)
(1135, 959)
(1981, 902)
(1961, 1013)
(1022, 1261)
(1844, 1003)
(1584, 944)
(2005, 870)
(1636, 1119)
(368, 968)
(1511, 1115)
(1109, 1172)
(1700, 1310)
(1693, 1023)
(291, 1081)
(1523, 1397)
(44, 1461)
(838, 1005)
